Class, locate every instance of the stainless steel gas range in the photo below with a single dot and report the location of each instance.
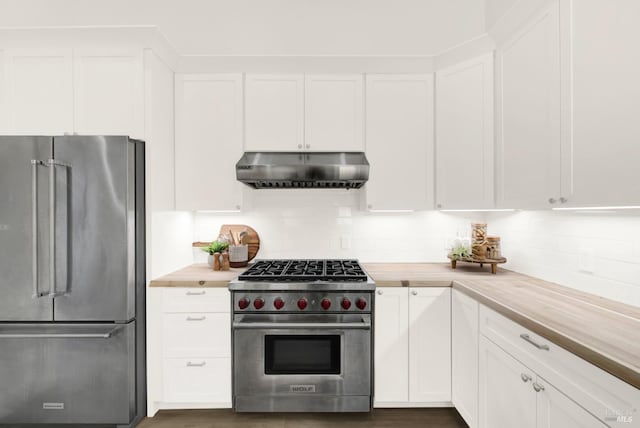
(302, 336)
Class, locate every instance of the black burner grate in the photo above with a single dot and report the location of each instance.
(304, 270)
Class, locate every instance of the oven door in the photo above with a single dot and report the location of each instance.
(302, 355)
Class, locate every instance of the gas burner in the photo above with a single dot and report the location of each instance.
(304, 270)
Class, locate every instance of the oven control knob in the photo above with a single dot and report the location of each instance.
(243, 303)
(278, 303)
(302, 303)
(326, 304)
(346, 303)
(361, 304)
(258, 303)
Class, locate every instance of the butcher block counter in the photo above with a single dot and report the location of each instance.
(604, 332)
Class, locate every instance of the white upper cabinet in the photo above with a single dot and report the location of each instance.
(605, 62)
(108, 92)
(274, 112)
(208, 141)
(334, 113)
(528, 94)
(430, 344)
(400, 148)
(37, 89)
(159, 133)
(464, 135)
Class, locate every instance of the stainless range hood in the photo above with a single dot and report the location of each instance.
(282, 170)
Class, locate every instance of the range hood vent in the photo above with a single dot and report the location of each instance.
(297, 170)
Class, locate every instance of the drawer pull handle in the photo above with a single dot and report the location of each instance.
(538, 387)
(525, 377)
(527, 338)
(202, 364)
(196, 293)
(196, 318)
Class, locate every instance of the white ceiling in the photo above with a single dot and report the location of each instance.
(272, 27)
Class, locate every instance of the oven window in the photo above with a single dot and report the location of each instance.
(302, 354)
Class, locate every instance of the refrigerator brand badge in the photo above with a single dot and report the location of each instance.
(53, 406)
(302, 388)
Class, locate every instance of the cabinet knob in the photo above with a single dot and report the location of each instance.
(414, 292)
(370, 206)
(380, 292)
(308, 146)
(563, 200)
(552, 200)
(525, 377)
(538, 387)
(439, 206)
(299, 146)
(238, 207)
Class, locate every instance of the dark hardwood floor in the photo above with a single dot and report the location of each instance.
(378, 418)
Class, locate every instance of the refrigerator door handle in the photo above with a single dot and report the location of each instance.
(53, 266)
(34, 225)
(19, 335)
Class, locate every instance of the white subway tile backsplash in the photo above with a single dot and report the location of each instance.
(553, 246)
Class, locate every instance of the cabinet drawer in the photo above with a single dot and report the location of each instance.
(204, 380)
(597, 391)
(196, 334)
(196, 300)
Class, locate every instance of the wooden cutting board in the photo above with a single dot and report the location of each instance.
(254, 239)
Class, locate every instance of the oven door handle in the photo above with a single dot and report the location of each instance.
(302, 326)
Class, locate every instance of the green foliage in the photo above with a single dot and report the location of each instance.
(460, 252)
(216, 247)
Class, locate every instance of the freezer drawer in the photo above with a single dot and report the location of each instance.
(69, 373)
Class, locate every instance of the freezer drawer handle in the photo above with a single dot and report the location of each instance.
(53, 163)
(34, 224)
(107, 335)
(528, 339)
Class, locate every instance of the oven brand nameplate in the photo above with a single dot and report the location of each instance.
(302, 388)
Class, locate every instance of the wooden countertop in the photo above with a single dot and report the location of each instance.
(604, 332)
(197, 275)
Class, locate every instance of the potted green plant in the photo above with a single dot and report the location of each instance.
(215, 248)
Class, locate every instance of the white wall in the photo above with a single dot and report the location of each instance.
(311, 223)
(171, 233)
(272, 27)
(594, 252)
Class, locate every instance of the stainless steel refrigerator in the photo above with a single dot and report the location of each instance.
(72, 280)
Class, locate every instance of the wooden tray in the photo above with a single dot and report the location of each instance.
(254, 239)
(493, 262)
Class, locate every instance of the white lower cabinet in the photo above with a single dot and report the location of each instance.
(412, 346)
(527, 381)
(464, 356)
(507, 399)
(195, 349)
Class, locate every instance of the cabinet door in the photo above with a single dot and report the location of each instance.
(391, 346)
(464, 135)
(333, 113)
(159, 133)
(528, 79)
(556, 410)
(108, 92)
(208, 141)
(430, 345)
(274, 112)
(507, 398)
(604, 150)
(464, 349)
(38, 88)
(399, 129)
